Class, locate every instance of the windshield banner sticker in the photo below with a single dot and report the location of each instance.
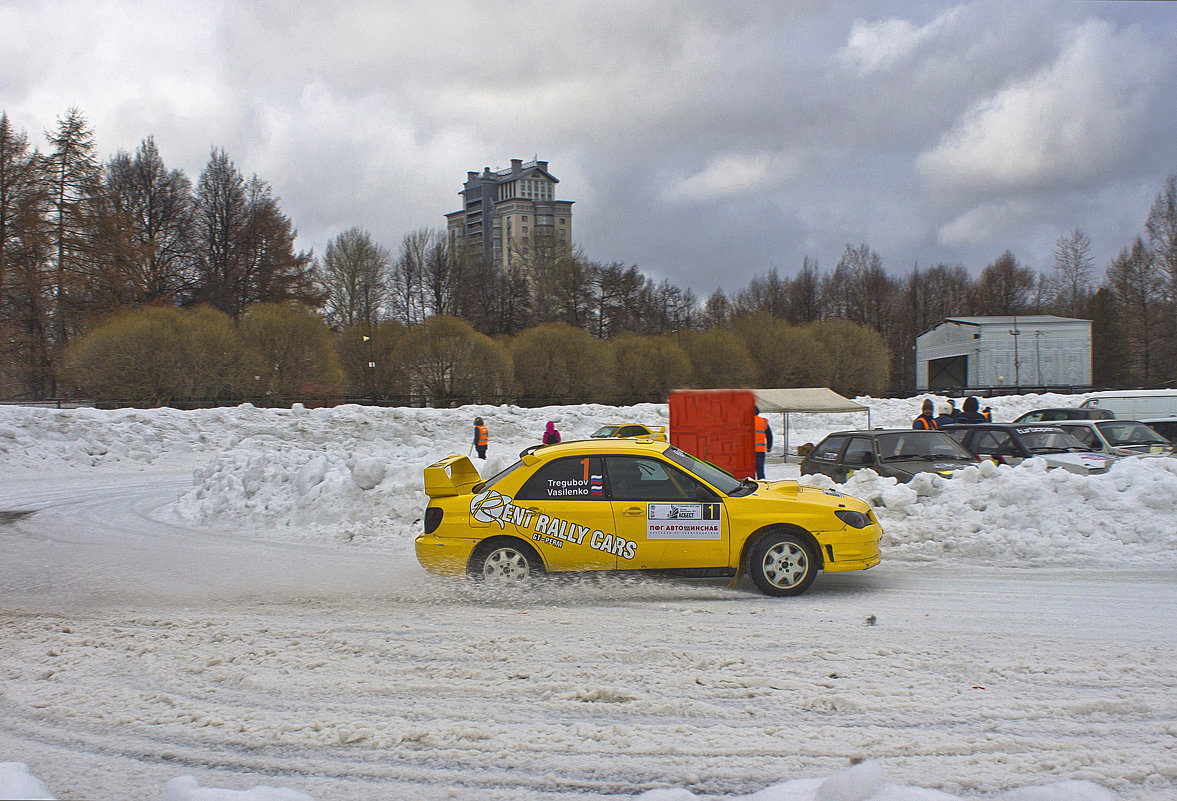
(683, 521)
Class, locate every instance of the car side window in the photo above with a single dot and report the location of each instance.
(640, 479)
(1083, 434)
(631, 431)
(827, 450)
(992, 442)
(1032, 417)
(569, 479)
(858, 452)
(1003, 443)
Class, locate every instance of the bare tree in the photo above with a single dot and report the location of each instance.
(1161, 226)
(407, 293)
(1072, 272)
(353, 278)
(1138, 285)
(1004, 287)
(245, 244)
(804, 296)
(73, 175)
(153, 207)
(24, 302)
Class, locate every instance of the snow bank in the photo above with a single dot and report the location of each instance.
(862, 782)
(353, 474)
(1027, 514)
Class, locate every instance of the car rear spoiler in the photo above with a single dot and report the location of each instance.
(453, 475)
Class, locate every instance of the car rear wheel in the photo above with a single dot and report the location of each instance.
(781, 564)
(504, 562)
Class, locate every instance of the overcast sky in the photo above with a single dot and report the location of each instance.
(705, 142)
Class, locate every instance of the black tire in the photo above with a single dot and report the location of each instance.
(505, 561)
(782, 564)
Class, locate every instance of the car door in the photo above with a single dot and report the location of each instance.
(1086, 435)
(858, 455)
(567, 515)
(826, 458)
(996, 445)
(665, 518)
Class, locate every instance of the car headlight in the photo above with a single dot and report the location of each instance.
(852, 518)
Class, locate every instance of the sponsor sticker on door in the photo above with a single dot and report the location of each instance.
(683, 521)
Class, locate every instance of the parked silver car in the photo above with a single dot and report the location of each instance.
(1006, 443)
(1118, 437)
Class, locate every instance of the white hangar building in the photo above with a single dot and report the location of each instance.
(1034, 351)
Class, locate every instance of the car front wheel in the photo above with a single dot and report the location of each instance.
(504, 562)
(781, 564)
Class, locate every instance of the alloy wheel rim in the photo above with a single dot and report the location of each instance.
(785, 564)
(506, 564)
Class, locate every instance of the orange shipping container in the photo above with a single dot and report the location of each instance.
(716, 426)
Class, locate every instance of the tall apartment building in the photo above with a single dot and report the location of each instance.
(506, 213)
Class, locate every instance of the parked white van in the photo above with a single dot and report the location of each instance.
(1134, 404)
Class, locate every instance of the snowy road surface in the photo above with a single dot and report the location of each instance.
(136, 650)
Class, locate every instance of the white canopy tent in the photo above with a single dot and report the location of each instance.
(812, 400)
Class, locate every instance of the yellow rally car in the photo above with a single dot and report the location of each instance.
(630, 431)
(616, 504)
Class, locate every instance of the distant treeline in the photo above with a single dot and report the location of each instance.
(98, 261)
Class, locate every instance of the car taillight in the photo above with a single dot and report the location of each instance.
(432, 519)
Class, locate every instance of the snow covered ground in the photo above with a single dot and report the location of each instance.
(228, 598)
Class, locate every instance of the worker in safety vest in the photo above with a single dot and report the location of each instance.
(480, 437)
(927, 419)
(762, 441)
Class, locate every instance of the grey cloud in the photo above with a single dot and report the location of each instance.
(701, 144)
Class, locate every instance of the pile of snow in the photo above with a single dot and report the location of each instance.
(1027, 514)
(862, 782)
(353, 474)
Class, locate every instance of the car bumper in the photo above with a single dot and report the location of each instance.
(445, 556)
(845, 552)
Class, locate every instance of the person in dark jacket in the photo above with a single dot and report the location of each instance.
(971, 413)
(947, 415)
(551, 435)
(927, 419)
(480, 437)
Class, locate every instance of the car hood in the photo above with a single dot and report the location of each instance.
(795, 492)
(1079, 462)
(944, 467)
(1154, 449)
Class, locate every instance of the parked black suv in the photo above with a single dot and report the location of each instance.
(899, 453)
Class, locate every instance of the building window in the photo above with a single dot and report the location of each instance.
(525, 220)
(525, 229)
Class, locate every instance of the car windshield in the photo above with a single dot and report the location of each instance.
(604, 431)
(720, 479)
(920, 445)
(1048, 439)
(1121, 432)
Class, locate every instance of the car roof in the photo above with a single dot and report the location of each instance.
(874, 431)
(1010, 426)
(610, 445)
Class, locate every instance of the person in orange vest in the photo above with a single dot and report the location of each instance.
(480, 437)
(927, 419)
(762, 440)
